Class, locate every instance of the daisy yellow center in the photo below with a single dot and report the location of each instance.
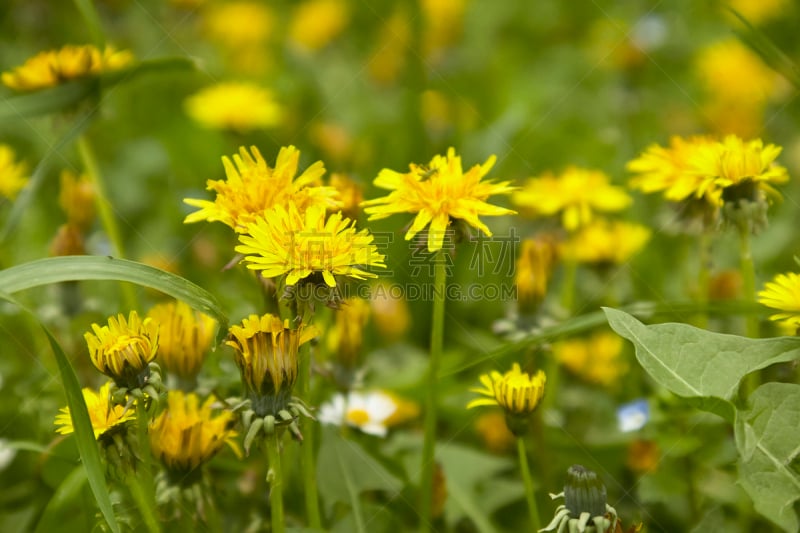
(357, 417)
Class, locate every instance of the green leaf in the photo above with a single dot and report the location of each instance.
(77, 268)
(92, 19)
(151, 66)
(84, 434)
(61, 509)
(766, 436)
(345, 467)
(50, 100)
(37, 178)
(695, 363)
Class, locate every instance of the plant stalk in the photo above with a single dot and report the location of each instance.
(533, 510)
(275, 479)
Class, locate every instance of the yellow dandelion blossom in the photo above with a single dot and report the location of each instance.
(123, 349)
(299, 245)
(252, 188)
(515, 391)
(597, 359)
(53, 67)
(737, 164)
(237, 106)
(575, 194)
(606, 242)
(439, 192)
(443, 22)
(315, 23)
(668, 169)
(185, 335)
(265, 350)
(188, 434)
(76, 198)
(13, 174)
(783, 294)
(239, 25)
(533, 270)
(105, 418)
(731, 71)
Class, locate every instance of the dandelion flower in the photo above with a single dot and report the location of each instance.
(188, 434)
(605, 242)
(299, 245)
(266, 354)
(515, 391)
(252, 188)
(51, 68)
(315, 23)
(597, 359)
(438, 192)
(123, 349)
(238, 106)
(13, 174)
(105, 418)
(239, 25)
(185, 335)
(783, 294)
(575, 194)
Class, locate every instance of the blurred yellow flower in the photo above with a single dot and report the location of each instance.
(494, 433)
(76, 198)
(390, 312)
(315, 23)
(346, 337)
(334, 140)
(668, 169)
(737, 166)
(606, 242)
(188, 434)
(535, 266)
(301, 244)
(643, 456)
(265, 351)
(105, 418)
(237, 106)
(597, 359)
(252, 188)
(68, 240)
(515, 391)
(783, 294)
(123, 349)
(13, 174)
(239, 25)
(185, 335)
(761, 11)
(443, 21)
(438, 192)
(390, 49)
(351, 194)
(575, 194)
(729, 70)
(53, 67)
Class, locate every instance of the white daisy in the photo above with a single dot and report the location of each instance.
(367, 411)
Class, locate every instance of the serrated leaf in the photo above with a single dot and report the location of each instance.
(766, 436)
(345, 467)
(82, 268)
(692, 362)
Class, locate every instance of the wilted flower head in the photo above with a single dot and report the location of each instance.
(51, 68)
(783, 294)
(185, 335)
(68, 240)
(252, 188)
(438, 192)
(13, 174)
(301, 244)
(188, 434)
(237, 106)
(576, 194)
(517, 392)
(265, 350)
(123, 349)
(372, 412)
(105, 417)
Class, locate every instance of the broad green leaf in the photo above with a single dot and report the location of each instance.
(84, 434)
(695, 363)
(345, 467)
(766, 436)
(37, 178)
(77, 268)
(58, 98)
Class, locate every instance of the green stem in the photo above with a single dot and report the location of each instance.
(703, 277)
(529, 491)
(752, 380)
(568, 285)
(437, 343)
(275, 478)
(309, 461)
(104, 210)
(141, 482)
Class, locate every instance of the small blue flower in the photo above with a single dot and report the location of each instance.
(633, 416)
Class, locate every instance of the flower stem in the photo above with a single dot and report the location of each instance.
(140, 496)
(526, 477)
(568, 285)
(104, 210)
(703, 277)
(275, 479)
(309, 461)
(752, 380)
(437, 343)
(141, 482)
